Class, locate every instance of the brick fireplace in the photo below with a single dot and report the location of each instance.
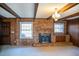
(43, 29)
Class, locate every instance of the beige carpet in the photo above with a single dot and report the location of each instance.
(59, 49)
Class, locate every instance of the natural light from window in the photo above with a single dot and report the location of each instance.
(58, 27)
(25, 30)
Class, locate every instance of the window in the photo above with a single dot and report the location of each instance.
(25, 30)
(59, 27)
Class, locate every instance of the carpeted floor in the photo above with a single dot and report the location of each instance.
(59, 49)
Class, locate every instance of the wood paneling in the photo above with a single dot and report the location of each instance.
(60, 38)
(5, 30)
(73, 30)
(67, 7)
(0, 31)
(11, 39)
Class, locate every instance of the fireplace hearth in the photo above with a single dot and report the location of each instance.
(45, 38)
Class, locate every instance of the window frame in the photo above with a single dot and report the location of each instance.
(63, 29)
(24, 30)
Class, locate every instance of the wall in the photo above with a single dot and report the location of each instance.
(12, 29)
(73, 30)
(4, 32)
(60, 37)
(42, 26)
(18, 40)
(0, 31)
(39, 26)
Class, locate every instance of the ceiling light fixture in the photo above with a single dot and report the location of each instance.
(56, 15)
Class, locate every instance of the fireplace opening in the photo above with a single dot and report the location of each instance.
(45, 38)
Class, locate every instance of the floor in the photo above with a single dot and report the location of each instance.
(59, 49)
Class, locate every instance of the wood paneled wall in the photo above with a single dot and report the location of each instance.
(12, 29)
(0, 31)
(5, 33)
(73, 30)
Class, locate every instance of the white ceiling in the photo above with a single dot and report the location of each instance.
(71, 11)
(6, 13)
(24, 10)
(46, 9)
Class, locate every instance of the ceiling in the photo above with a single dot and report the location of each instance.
(42, 10)
(71, 11)
(5, 13)
(46, 9)
(24, 10)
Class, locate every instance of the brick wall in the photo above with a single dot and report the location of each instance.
(42, 26)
